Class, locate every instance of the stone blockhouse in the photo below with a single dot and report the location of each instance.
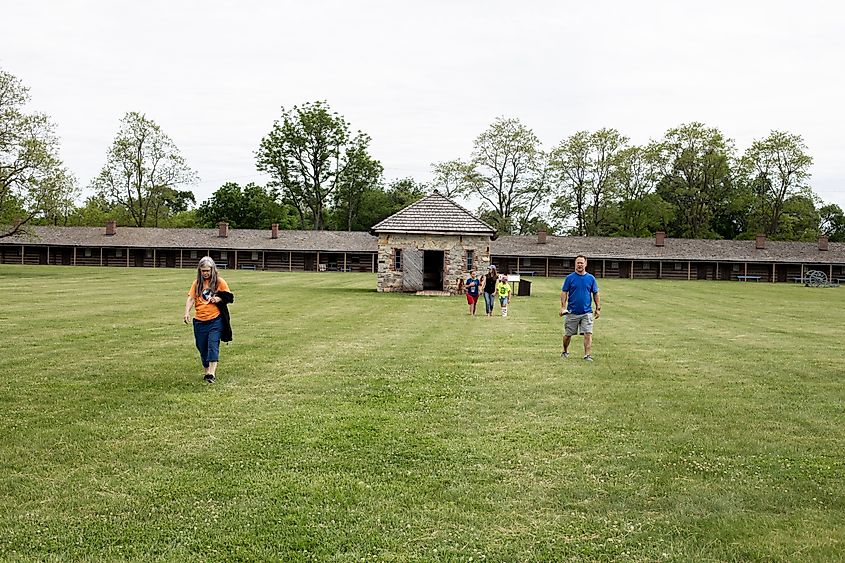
(430, 246)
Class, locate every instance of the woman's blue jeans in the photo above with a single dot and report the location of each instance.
(488, 303)
(207, 335)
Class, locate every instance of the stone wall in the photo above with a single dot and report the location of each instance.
(454, 248)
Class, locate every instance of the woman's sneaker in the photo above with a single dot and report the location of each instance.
(588, 358)
(209, 378)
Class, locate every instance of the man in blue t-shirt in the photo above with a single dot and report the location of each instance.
(576, 296)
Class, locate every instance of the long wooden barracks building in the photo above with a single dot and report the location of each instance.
(432, 242)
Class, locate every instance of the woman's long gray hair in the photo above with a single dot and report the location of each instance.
(207, 262)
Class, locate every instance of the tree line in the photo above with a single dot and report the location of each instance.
(690, 183)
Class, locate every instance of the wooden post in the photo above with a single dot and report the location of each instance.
(180, 258)
(373, 261)
(236, 260)
(263, 260)
(101, 255)
(318, 260)
(689, 270)
(290, 261)
(344, 261)
(23, 253)
(127, 257)
(154, 258)
(74, 256)
(48, 255)
(660, 270)
(631, 273)
(547, 268)
(774, 272)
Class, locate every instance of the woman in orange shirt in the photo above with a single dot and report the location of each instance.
(208, 323)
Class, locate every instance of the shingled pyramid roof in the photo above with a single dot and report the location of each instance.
(434, 214)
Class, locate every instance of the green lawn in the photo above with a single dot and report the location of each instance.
(348, 425)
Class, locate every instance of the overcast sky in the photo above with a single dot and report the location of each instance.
(425, 78)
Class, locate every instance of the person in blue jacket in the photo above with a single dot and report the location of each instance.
(577, 294)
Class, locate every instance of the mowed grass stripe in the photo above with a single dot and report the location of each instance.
(349, 424)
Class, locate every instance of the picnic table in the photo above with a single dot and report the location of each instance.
(749, 278)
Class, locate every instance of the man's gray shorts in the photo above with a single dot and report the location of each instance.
(578, 323)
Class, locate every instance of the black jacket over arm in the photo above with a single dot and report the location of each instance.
(225, 299)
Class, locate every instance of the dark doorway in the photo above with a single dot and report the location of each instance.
(703, 271)
(624, 269)
(433, 270)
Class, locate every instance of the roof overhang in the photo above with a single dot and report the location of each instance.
(441, 233)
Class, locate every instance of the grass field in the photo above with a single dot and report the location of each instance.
(348, 425)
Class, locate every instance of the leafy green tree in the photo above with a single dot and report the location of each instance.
(378, 203)
(832, 222)
(697, 177)
(507, 172)
(96, 211)
(178, 201)
(640, 217)
(537, 224)
(778, 168)
(451, 178)
(526, 213)
(403, 192)
(309, 153)
(143, 166)
(57, 209)
(250, 207)
(33, 181)
(183, 220)
(584, 167)
(361, 173)
(10, 213)
(375, 206)
(561, 211)
(799, 220)
(735, 215)
(503, 225)
(638, 212)
(572, 162)
(606, 145)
